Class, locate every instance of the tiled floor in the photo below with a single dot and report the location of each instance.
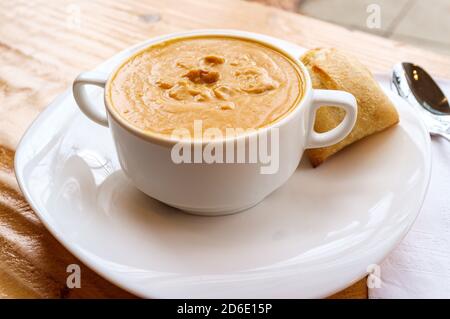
(424, 23)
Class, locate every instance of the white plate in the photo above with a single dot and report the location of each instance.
(300, 242)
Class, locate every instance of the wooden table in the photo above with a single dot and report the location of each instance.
(45, 44)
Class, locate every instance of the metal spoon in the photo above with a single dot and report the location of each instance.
(416, 86)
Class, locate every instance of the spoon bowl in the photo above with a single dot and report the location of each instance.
(416, 86)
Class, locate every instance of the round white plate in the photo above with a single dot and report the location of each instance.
(316, 235)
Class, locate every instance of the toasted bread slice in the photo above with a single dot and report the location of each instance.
(334, 70)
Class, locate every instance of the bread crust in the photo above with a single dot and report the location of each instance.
(334, 70)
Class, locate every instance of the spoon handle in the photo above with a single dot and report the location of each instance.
(443, 134)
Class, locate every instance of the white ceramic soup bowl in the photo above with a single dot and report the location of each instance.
(214, 186)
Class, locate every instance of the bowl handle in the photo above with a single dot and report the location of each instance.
(336, 98)
(95, 112)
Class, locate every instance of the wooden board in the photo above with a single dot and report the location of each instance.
(45, 44)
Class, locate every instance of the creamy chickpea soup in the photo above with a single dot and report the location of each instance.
(225, 82)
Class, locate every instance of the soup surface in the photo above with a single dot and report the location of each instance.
(223, 81)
